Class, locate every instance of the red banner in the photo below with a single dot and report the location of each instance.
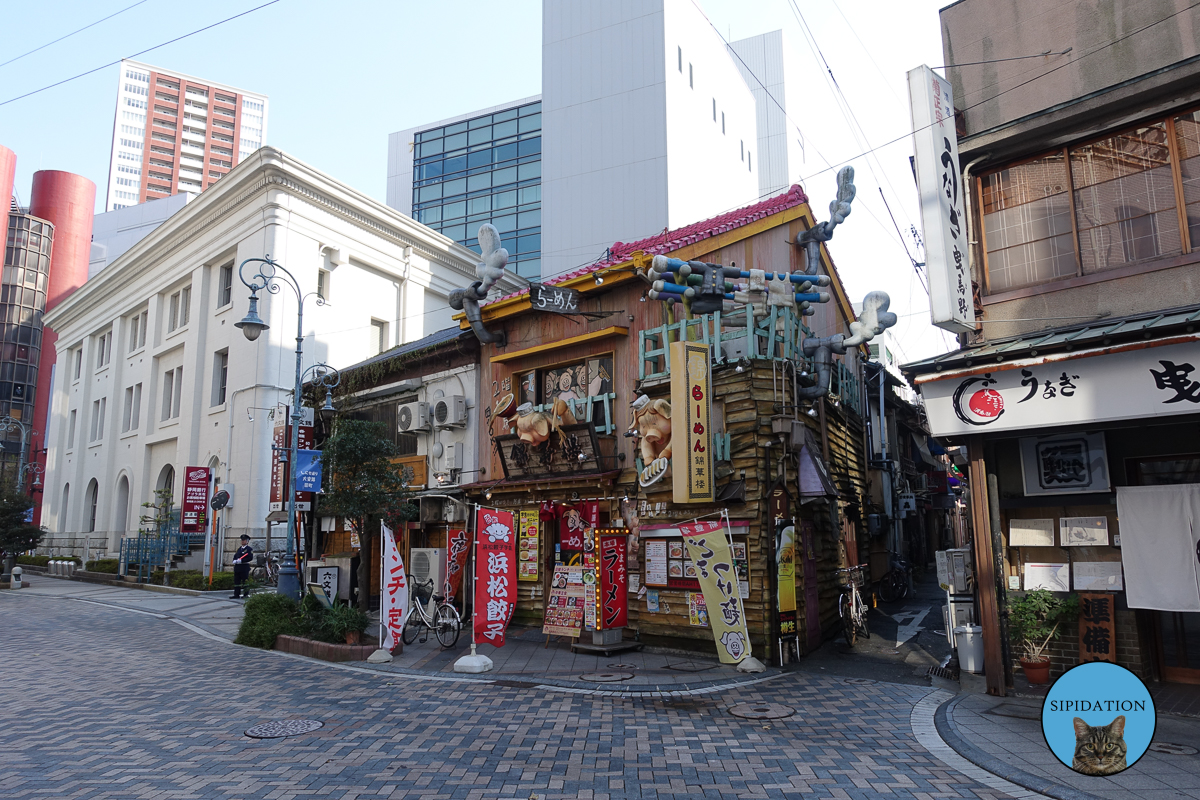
(194, 517)
(574, 523)
(614, 586)
(458, 547)
(495, 574)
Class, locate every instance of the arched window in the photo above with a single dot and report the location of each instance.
(62, 514)
(121, 519)
(166, 483)
(93, 499)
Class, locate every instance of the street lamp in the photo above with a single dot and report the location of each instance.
(8, 425)
(324, 376)
(37, 471)
(270, 276)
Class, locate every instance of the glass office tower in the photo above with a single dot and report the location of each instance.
(485, 169)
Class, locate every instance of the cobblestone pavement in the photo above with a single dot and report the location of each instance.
(101, 703)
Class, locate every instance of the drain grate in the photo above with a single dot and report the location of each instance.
(761, 711)
(941, 672)
(605, 677)
(1169, 749)
(622, 666)
(859, 681)
(514, 684)
(279, 728)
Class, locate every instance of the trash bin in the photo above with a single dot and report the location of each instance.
(970, 647)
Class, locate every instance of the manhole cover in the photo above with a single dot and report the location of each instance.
(606, 677)
(859, 680)
(1169, 749)
(689, 666)
(761, 711)
(277, 729)
(622, 666)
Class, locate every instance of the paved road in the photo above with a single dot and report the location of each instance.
(101, 703)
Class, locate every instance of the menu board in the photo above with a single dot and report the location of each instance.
(564, 606)
(742, 565)
(656, 562)
(1031, 533)
(527, 539)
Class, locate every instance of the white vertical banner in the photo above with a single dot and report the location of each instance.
(942, 191)
(394, 591)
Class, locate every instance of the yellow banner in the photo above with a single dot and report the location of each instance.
(691, 439)
(708, 545)
(528, 539)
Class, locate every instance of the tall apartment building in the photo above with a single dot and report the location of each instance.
(710, 134)
(175, 133)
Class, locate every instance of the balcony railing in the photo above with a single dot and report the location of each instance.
(587, 409)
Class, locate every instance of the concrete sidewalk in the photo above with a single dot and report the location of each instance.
(1003, 735)
(526, 658)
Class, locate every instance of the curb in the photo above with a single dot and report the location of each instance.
(957, 742)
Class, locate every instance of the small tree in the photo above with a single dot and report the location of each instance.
(1034, 620)
(154, 522)
(361, 482)
(16, 535)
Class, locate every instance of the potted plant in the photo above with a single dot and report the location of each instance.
(344, 621)
(1033, 621)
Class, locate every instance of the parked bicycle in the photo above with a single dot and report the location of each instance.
(266, 569)
(445, 621)
(894, 585)
(851, 606)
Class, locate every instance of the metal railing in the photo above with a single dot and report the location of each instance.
(585, 410)
(149, 551)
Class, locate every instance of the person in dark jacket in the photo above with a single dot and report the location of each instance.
(241, 567)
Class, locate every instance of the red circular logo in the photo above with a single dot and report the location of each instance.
(986, 403)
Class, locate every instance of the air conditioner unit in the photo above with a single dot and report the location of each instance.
(412, 417)
(425, 563)
(450, 412)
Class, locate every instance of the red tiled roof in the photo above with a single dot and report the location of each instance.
(669, 241)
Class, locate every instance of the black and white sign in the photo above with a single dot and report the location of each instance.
(1036, 394)
(553, 298)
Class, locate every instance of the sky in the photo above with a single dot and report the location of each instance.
(342, 76)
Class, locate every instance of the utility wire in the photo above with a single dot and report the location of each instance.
(72, 33)
(902, 137)
(140, 52)
(1046, 54)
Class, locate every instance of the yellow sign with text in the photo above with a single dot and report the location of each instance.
(691, 407)
(708, 545)
(528, 541)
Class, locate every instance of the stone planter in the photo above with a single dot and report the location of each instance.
(325, 650)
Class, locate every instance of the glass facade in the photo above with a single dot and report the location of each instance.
(22, 303)
(485, 169)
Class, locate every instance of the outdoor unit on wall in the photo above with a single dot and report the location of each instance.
(425, 563)
(450, 412)
(412, 417)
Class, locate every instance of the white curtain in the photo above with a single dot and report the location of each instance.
(1159, 526)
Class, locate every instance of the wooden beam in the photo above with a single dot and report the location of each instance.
(541, 348)
(985, 570)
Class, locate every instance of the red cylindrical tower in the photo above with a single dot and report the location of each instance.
(8, 171)
(68, 201)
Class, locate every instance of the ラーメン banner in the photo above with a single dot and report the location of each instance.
(691, 439)
(457, 550)
(395, 589)
(708, 545)
(495, 574)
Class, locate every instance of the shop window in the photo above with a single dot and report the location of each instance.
(586, 386)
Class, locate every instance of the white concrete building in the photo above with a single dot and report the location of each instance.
(152, 376)
(114, 232)
(646, 121)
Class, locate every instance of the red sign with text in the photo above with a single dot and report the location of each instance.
(194, 513)
(614, 584)
(495, 574)
(457, 550)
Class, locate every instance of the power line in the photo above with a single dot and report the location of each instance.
(139, 53)
(72, 33)
(998, 60)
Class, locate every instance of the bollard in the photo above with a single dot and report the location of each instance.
(69, 568)
(52, 566)
(16, 577)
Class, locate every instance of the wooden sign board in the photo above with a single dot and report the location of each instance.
(559, 455)
(691, 417)
(1097, 627)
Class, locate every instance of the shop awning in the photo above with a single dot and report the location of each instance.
(923, 448)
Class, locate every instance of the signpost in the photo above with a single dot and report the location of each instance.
(194, 516)
(555, 299)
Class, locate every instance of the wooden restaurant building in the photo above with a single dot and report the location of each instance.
(575, 438)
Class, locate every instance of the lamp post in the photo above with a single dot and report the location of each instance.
(271, 276)
(8, 425)
(37, 471)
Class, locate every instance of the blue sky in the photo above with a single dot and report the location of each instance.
(342, 76)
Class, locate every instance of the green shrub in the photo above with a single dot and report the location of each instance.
(108, 566)
(268, 616)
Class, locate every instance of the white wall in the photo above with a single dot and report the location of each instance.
(708, 171)
(114, 232)
(771, 73)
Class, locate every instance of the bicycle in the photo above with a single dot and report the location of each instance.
(851, 607)
(894, 585)
(266, 569)
(445, 622)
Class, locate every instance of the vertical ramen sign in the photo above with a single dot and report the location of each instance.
(691, 404)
